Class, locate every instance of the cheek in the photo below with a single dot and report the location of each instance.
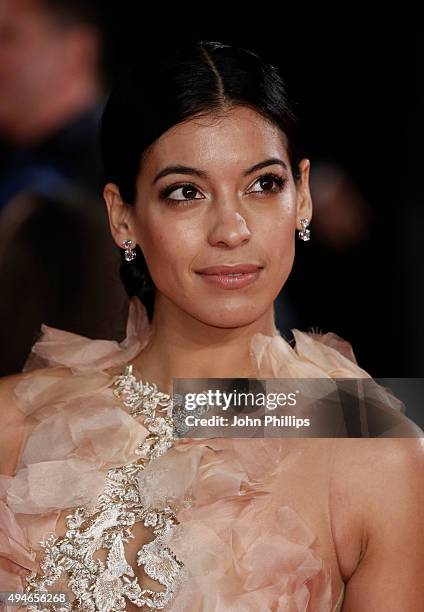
(281, 262)
(278, 240)
(169, 250)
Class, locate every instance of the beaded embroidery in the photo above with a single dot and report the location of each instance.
(105, 587)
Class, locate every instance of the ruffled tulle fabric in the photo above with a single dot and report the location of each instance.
(329, 357)
(315, 355)
(81, 354)
(241, 550)
(78, 430)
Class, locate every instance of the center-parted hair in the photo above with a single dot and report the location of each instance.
(170, 86)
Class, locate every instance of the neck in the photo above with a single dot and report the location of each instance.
(181, 346)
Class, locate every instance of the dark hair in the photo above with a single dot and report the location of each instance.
(169, 87)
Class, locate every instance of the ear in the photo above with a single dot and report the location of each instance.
(303, 194)
(120, 215)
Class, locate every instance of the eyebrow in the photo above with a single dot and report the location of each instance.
(178, 169)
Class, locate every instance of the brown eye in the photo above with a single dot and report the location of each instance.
(269, 183)
(186, 190)
(266, 183)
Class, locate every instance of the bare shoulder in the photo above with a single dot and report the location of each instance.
(392, 474)
(377, 516)
(367, 462)
(14, 422)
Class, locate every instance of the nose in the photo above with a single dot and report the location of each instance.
(229, 227)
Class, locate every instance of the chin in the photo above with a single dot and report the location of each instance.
(228, 318)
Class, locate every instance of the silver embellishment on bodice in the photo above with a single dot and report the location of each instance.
(105, 586)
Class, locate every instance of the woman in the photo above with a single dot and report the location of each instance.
(203, 171)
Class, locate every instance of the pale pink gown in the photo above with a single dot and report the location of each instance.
(252, 529)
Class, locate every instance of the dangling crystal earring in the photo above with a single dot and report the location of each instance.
(130, 253)
(304, 233)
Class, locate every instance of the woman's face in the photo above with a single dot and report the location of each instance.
(218, 208)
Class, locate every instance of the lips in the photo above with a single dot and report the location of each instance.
(235, 269)
(238, 276)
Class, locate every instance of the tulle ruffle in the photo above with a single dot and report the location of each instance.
(78, 430)
(314, 355)
(81, 354)
(241, 551)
